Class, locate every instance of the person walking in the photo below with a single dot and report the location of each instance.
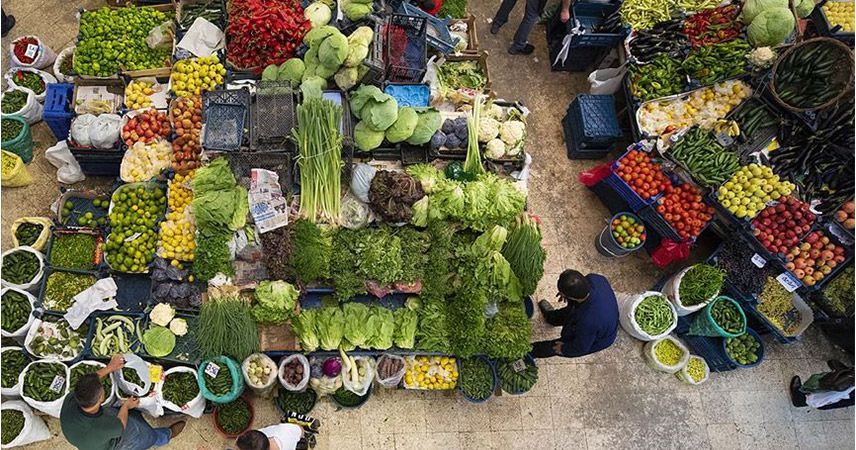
(284, 436)
(533, 11)
(589, 321)
(825, 390)
(89, 426)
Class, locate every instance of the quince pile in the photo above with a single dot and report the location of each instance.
(192, 76)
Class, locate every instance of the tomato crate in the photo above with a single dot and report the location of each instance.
(593, 121)
(58, 111)
(634, 200)
(406, 48)
(658, 224)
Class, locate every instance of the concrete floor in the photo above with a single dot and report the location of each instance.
(610, 400)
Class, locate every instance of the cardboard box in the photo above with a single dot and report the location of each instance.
(111, 90)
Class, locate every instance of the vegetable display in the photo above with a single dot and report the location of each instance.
(840, 14)
(779, 227)
(746, 193)
(11, 129)
(663, 38)
(158, 341)
(628, 231)
(28, 233)
(388, 367)
(115, 334)
(84, 368)
(320, 160)
(132, 239)
(12, 363)
(310, 254)
(16, 311)
(476, 378)
(258, 371)
(644, 175)
(777, 305)
(654, 315)
(392, 195)
(717, 62)
(74, 251)
(727, 315)
(808, 76)
(221, 384)
(39, 381)
(769, 22)
(700, 284)
(180, 387)
(643, 14)
(226, 327)
(148, 126)
(753, 116)
(193, 76)
(713, 26)
(20, 267)
(12, 424)
(30, 80)
(513, 380)
(668, 353)
(662, 77)
(275, 28)
(55, 338)
(814, 258)
(461, 74)
(696, 368)
(743, 349)
(293, 372)
(210, 10)
(704, 158)
(234, 417)
(13, 101)
(298, 402)
(683, 208)
(174, 286)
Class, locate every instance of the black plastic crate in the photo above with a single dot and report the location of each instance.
(273, 115)
(81, 202)
(406, 48)
(594, 121)
(590, 17)
(222, 105)
(579, 59)
(577, 152)
(133, 290)
(412, 154)
(99, 163)
(709, 348)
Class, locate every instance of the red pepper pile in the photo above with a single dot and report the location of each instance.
(20, 49)
(264, 32)
(683, 208)
(644, 176)
(713, 26)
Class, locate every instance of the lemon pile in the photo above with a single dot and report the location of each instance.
(177, 241)
(430, 372)
(137, 94)
(840, 13)
(750, 188)
(192, 76)
(703, 107)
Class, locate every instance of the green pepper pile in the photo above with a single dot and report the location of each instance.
(12, 424)
(347, 398)
(717, 62)
(13, 101)
(221, 384)
(28, 233)
(38, 380)
(20, 267)
(74, 251)
(299, 402)
(11, 129)
(743, 349)
(727, 315)
(699, 284)
(29, 80)
(661, 78)
(61, 288)
(234, 417)
(131, 376)
(12, 363)
(16, 311)
(180, 388)
(653, 315)
(476, 378)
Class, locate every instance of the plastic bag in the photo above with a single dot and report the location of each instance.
(12, 391)
(213, 366)
(104, 131)
(361, 181)
(355, 214)
(653, 362)
(670, 251)
(34, 430)
(627, 304)
(42, 240)
(46, 77)
(364, 380)
(162, 36)
(194, 408)
(301, 386)
(703, 323)
(61, 77)
(150, 404)
(109, 397)
(20, 332)
(68, 170)
(51, 408)
(684, 376)
(593, 176)
(80, 129)
(32, 109)
(672, 290)
(395, 379)
(606, 81)
(42, 55)
(33, 284)
(266, 388)
(133, 361)
(17, 174)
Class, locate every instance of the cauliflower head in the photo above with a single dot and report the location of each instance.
(495, 149)
(512, 132)
(488, 129)
(161, 314)
(178, 327)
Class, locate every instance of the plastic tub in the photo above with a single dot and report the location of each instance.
(607, 245)
(493, 374)
(249, 424)
(362, 401)
(757, 337)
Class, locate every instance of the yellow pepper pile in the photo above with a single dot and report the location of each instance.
(177, 232)
(668, 353)
(430, 372)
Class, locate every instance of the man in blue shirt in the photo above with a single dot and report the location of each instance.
(589, 322)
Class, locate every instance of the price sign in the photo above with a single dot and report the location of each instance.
(519, 365)
(31, 51)
(212, 370)
(758, 261)
(788, 281)
(724, 139)
(57, 383)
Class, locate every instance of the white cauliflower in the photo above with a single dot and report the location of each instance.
(488, 129)
(178, 326)
(161, 314)
(495, 149)
(495, 111)
(512, 132)
(762, 57)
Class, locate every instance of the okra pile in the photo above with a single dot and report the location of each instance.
(221, 384)
(180, 388)
(234, 417)
(476, 380)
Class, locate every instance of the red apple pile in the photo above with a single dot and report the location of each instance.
(780, 227)
(814, 258)
(146, 127)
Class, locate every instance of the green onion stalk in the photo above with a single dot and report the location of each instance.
(473, 163)
(320, 160)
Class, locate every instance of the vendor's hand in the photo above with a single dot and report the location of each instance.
(565, 15)
(557, 347)
(560, 298)
(132, 403)
(117, 362)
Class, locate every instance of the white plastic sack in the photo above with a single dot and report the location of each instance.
(46, 77)
(394, 380)
(299, 387)
(33, 284)
(265, 388)
(655, 364)
(32, 109)
(148, 404)
(684, 376)
(68, 170)
(361, 181)
(109, 397)
(14, 391)
(142, 368)
(62, 78)
(34, 330)
(34, 430)
(366, 362)
(80, 129)
(43, 54)
(672, 290)
(20, 332)
(606, 81)
(818, 399)
(105, 130)
(194, 408)
(627, 315)
(51, 408)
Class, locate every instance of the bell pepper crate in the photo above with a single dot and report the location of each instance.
(667, 346)
(11, 373)
(16, 75)
(50, 393)
(33, 283)
(50, 304)
(103, 339)
(60, 234)
(31, 110)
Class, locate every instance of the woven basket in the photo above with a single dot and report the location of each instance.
(842, 78)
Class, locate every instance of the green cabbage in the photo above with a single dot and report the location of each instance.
(771, 27)
(318, 14)
(362, 36)
(363, 95)
(366, 138)
(381, 116)
(752, 8)
(346, 78)
(275, 301)
(159, 341)
(804, 8)
(291, 70)
(325, 72)
(333, 50)
(356, 54)
(403, 126)
(356, 11)
(316, 35)
(270, 73)
(428, 124)
(313, 87)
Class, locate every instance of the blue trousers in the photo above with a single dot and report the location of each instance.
(139, 435)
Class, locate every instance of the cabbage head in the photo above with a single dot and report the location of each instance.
(752, 8)
(159, 341)
(356, 11)
(346, 78)
(771, 27)
(318, 14)
(325, 72)
(333, 50)
(270, 73)
(357, 52)
(291, 70)
(362, 35)
(381, 116)
(403, 126)
(804, 8)
(428, 124)
(313, 87)
(316, 35)
(366, 138)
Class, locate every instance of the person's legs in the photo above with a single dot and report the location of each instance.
(9, 22)
(521, 45)
(543, 349)
(557, 317)
(501, 16)
(797, 396)
(162, 436)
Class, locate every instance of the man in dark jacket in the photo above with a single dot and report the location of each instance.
(589, 322)
(531, 15)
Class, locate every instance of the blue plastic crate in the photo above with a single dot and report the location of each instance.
(439, 36)
(579, 59)
(58, 111)
(577, 152)
(590, 15)
(709, 348)
(594, 121)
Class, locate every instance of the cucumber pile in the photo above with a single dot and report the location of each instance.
(39, 378)
(808, 77)
(515, 382)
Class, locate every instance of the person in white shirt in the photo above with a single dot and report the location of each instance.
(284, 436)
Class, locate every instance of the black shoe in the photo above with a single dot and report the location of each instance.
(835, 364)
(8, 24)
(526, 50)
(797, 397)
(494, 27)
(545, 306)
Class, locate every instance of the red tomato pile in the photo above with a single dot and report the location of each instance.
(146, 127)
(779, 227)
(814, 258)
(187, 145)
(644, 176)
(683, 208)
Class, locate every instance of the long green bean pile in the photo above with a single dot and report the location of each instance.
(653, 315)
(320, 160)
(700, 284)
(226, 327)
(524, 253)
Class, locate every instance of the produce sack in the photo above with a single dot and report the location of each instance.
(213, 366)
(15, 173)
(109, 397)
(268, 381)
(46, 77)
(105, 130)
(30, 51)
(15, 390)
(656, 361)
(361, 181)
(22, 144)
(31, 335)
(148, 404)
(33, 284)
(34, 429)
(142, 368)
(703, 323)
(627, 304)
(43, 236)
(605, 81)
(32, 109)
(672, 290)
(61, 77)
(51, 408)
(697, 365)
(298, 387)
(193, 408)
(393, 380)
(80, 130)
(20, 332)
(358, 373)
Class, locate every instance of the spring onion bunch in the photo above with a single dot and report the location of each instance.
(320, 159)
(473, 163)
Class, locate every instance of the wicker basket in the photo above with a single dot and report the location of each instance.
(843, 75)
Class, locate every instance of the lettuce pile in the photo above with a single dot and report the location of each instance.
(275, 301)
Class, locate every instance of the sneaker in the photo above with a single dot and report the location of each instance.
(494, 27)
(545, 306)
(176, 429)
(526, 50)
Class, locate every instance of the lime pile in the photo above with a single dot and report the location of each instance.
(86, 219)
(132, 241)
(750, 188)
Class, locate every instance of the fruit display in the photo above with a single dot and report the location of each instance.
(845, 217)
(136, 209)
(747, 192)
(779, 227)
(186, 117)
(138, 94)
(814, 258)
(146, 127)
(743, 349)
(142, 161)
(193, 76)
(114, 39)
(839, 13)
(430, 372)
(642, 174)
(701, 107)
(683, 207)
(628, 231)
(177, 232)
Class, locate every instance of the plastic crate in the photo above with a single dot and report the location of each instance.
(186, 350)
(133, 291)
(594, 121)
(232, 97)
(577, 152)
(607, 195)
(375, 58)
(709, 348)
(136, 346)
(273, 115)
(633, 199)
(590, 16)
(279, 161)
(439, 37)
(99, 163)
(406, 48)
(818, 17)
(409, 94)
(579, 59)
(654, 221)
(412, 154)
(224, 127)
(58, 112)
(81, 202)
(97, 256)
